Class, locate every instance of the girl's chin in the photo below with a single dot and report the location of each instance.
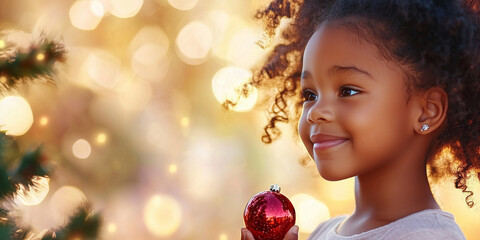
(333, 175)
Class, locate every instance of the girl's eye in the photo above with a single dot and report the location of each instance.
(348, 91)
(309, 95)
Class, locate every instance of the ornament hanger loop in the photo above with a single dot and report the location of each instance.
(275, 188)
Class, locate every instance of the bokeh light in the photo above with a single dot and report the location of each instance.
(101, 138)
(172, 168)
(65, 200)
(83, 16)
(133, 95)
(339, 190)
(16, 115)
(242, 48)
(2, 44)
(148, 51)
(162, 215)
(309, 211)
(112, 228)
(125, 8)
(223, 236)
(103, 68)
(35, 194)
(97, 8)
(185, 121)
(40, 57)
(183, 4)
(43, 121)
(226, 84)
(81, 149)
(194, 42)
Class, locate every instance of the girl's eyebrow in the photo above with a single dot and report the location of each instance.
(345, 69)
(304, 75)
(339, 69)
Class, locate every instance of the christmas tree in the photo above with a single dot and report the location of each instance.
(19, 169)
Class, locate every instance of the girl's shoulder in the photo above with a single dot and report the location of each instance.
(426, 224)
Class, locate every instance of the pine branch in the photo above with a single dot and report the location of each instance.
(9, 230)
(24, 67)
(83, 224)
(31, 164)
(6, 227)
(7, 189)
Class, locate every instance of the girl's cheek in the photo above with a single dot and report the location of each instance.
(304, 130)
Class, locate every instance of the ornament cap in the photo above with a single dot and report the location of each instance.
(275, 188)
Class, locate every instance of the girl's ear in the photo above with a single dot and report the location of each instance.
(434, 105)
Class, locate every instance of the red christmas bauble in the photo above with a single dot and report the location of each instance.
(269, 215)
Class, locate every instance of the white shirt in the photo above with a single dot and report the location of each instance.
(423, 225)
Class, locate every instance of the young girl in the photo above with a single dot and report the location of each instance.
(386, 86)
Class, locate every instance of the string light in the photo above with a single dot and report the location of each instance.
(40, 57)
(43, 121)
(185, 121)
(112, 228)
(3, 79)
(172, 168)
(223, 236)
(16, 115)
(101, 138)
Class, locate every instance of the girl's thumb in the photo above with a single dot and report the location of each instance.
(292, 234)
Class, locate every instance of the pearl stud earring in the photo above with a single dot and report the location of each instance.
(424, 128)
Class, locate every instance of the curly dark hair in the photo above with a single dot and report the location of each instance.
(437, 41)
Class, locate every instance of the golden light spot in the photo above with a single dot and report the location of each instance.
(162, 215)
(16, 115)
(3, 79)
(2, 44)
(63, 202)
(242, 49)
(226, 84)
(43, 121)
(339, 190)
(34, 195)
(194, 42)
(97, 8)
(185, 121)
(223, 236)
(183, 4)
(81, 149)
(103, 68)
(126, 8)
(309, 212)
(148, 51)
(172, 168)
(83, 16)
(112, 228)
(101, 138)
(40, 57)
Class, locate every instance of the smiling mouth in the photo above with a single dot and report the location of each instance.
(324, 145)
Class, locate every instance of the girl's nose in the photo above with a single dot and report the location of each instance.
(320, 112)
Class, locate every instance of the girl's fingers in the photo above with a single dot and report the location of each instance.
(292, 234)
(247, 235)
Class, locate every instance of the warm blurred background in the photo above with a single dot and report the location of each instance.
(135, 123)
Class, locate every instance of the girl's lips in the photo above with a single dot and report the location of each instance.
(327, 144)
(324, 141)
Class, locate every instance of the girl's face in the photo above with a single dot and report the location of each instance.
(357, 115)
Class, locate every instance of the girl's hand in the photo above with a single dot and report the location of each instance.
(292, 234)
